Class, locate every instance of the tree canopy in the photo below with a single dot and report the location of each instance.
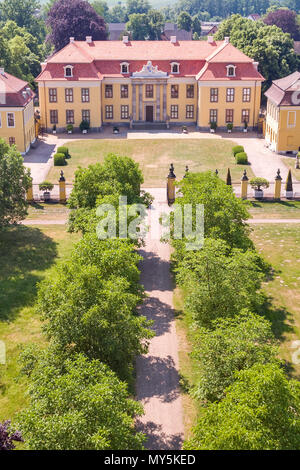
(285, 19)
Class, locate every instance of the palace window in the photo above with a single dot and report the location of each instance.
(69, 95)
(70, 116)
(12, 141)
(291, 119)
(229, 116)
(190, 91)
(246, 95)
(109, 111)
(214, 95)
(174, 111)
(174, 91)
(85, 95)
(108, 91)
(124, 67)
(68, 71)
(149, 91)
(245, 115)
(86, 115)
(10, 119)
(230, 70)
(230, 95)
(124, 91)
(53, 116)
(213, 115)
(124, 111)
(189, 111)
(52, 95)
(175, 67)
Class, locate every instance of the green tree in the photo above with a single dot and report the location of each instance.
(196, 25)
(101, 7)
(268, 45)
(14, 181)
(184, 21)
(78, 405)
(156, 23)
(233, 345)
(219, 283)
(22, 12)
(261, 411)
(137, 6)
(139, 26)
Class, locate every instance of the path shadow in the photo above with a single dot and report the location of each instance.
(23, 251)
(160, 313)
(40, 154)
(157, 439)
(155, 272)
(159, 379)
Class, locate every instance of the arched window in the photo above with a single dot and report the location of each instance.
(230, 70)
(68, 70)
(174, 67)
(124, 67)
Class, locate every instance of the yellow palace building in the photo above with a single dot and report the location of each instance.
(149, 82)
(283, 114)
(17, 123)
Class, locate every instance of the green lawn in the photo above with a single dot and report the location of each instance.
(290, 163)
(274, 210)
(155, 156)
(43, 211)
(280, 245)
(27, 255)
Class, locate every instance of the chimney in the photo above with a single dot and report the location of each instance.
(256, 65)
(210, 39)
(72, 39)
(24, 93)
(125, 39)
(227, 39)
(28, 91)
(173, 39)
(89, 39)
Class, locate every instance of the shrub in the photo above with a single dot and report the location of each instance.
(70, 127)
(59, 159)
(241, 158)
(63, 150)
(84, 125)
(46, 186)
(258, 183)
(230, 126)
(237, 149)
(213, 125)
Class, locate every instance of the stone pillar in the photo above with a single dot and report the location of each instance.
(244, 185)
(157, 102)
(170, 185)
(134, 101)
(140, 102)
(62, 188)
(165, 102)
(278, 181)
(29, 193)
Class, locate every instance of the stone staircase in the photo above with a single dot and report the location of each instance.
(148, 126)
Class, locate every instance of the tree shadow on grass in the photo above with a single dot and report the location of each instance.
(280, 318)
(23, 250)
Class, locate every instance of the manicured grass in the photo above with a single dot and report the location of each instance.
(155, 156)
(274, 210)
(27, 255)
(49, 211)
(290, 163)
(280, 245)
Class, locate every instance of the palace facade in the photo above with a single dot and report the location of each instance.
(135, 82)
(17, 123)
(283, 114)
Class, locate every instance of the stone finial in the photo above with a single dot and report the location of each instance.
(216, 172)
(62, 178)
(171, 174)
(278, 177)
(186, 171)
(245, 177)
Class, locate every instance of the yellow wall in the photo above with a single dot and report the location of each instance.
(94, 105)
(238, 105)
(283, 128)
(182, 101)
(116, 101)
(23, 131)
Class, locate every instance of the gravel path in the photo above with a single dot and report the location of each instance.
(157, 384)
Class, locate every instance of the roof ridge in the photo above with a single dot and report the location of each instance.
(217, 51)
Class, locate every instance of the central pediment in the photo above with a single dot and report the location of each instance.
(150, 71)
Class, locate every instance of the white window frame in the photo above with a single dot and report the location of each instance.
(11, 127)
(234, 70)
(295, 119)
(178, 67)
(121, 66)
(65, 70)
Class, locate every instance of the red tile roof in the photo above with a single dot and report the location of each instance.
(13, 87)
(103, 58)
(282, 90)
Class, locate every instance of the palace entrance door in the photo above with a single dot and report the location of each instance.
(149, 113)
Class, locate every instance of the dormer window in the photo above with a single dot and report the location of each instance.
(68, 71)
(124, 67)
(230, 70)
(174, 67)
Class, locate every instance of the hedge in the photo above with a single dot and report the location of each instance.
(237, 149)
(63, 150)
(59, 159)
(241, 158)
